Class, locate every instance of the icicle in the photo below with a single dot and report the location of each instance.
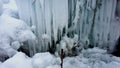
(57, 18)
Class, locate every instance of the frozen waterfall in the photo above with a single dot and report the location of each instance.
(92, 20)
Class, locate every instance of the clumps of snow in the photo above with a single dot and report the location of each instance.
(97, 54)
(95, 50)
(74, 63)
(20, 60)
(67, 44)
(46, 37)
(15, 45)
(39, 60)
(13, 32)
(90, 58)
(33, 28)
(26, 35)
(43, 60)
(113, 65)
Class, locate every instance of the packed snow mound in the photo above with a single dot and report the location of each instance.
(13, 32)
(40, 60)
(20, 60)
(97, 58)
(43, 60)
(74, 63)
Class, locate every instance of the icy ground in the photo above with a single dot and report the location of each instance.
(90, 58)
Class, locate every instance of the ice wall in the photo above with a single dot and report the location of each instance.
(92, 20)
(47, 16)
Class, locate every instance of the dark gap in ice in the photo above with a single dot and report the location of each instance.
(25, 49)
(117, 11)
(116, 51)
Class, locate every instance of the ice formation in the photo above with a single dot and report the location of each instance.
(90, 19)
(95, 22)
(59, 24)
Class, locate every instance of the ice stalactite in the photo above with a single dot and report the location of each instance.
(91, 20)
(104, 17)
(94, 21)
(47, 17)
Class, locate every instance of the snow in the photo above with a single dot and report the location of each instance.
(11, 12)
(33, 28)
(15, 45)
(46, 37)
(9, 4)
(46, 60)
(13, 32)
(45, 18)
(20, 60)
(42, 60)
(74, 63)
(67, 44)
